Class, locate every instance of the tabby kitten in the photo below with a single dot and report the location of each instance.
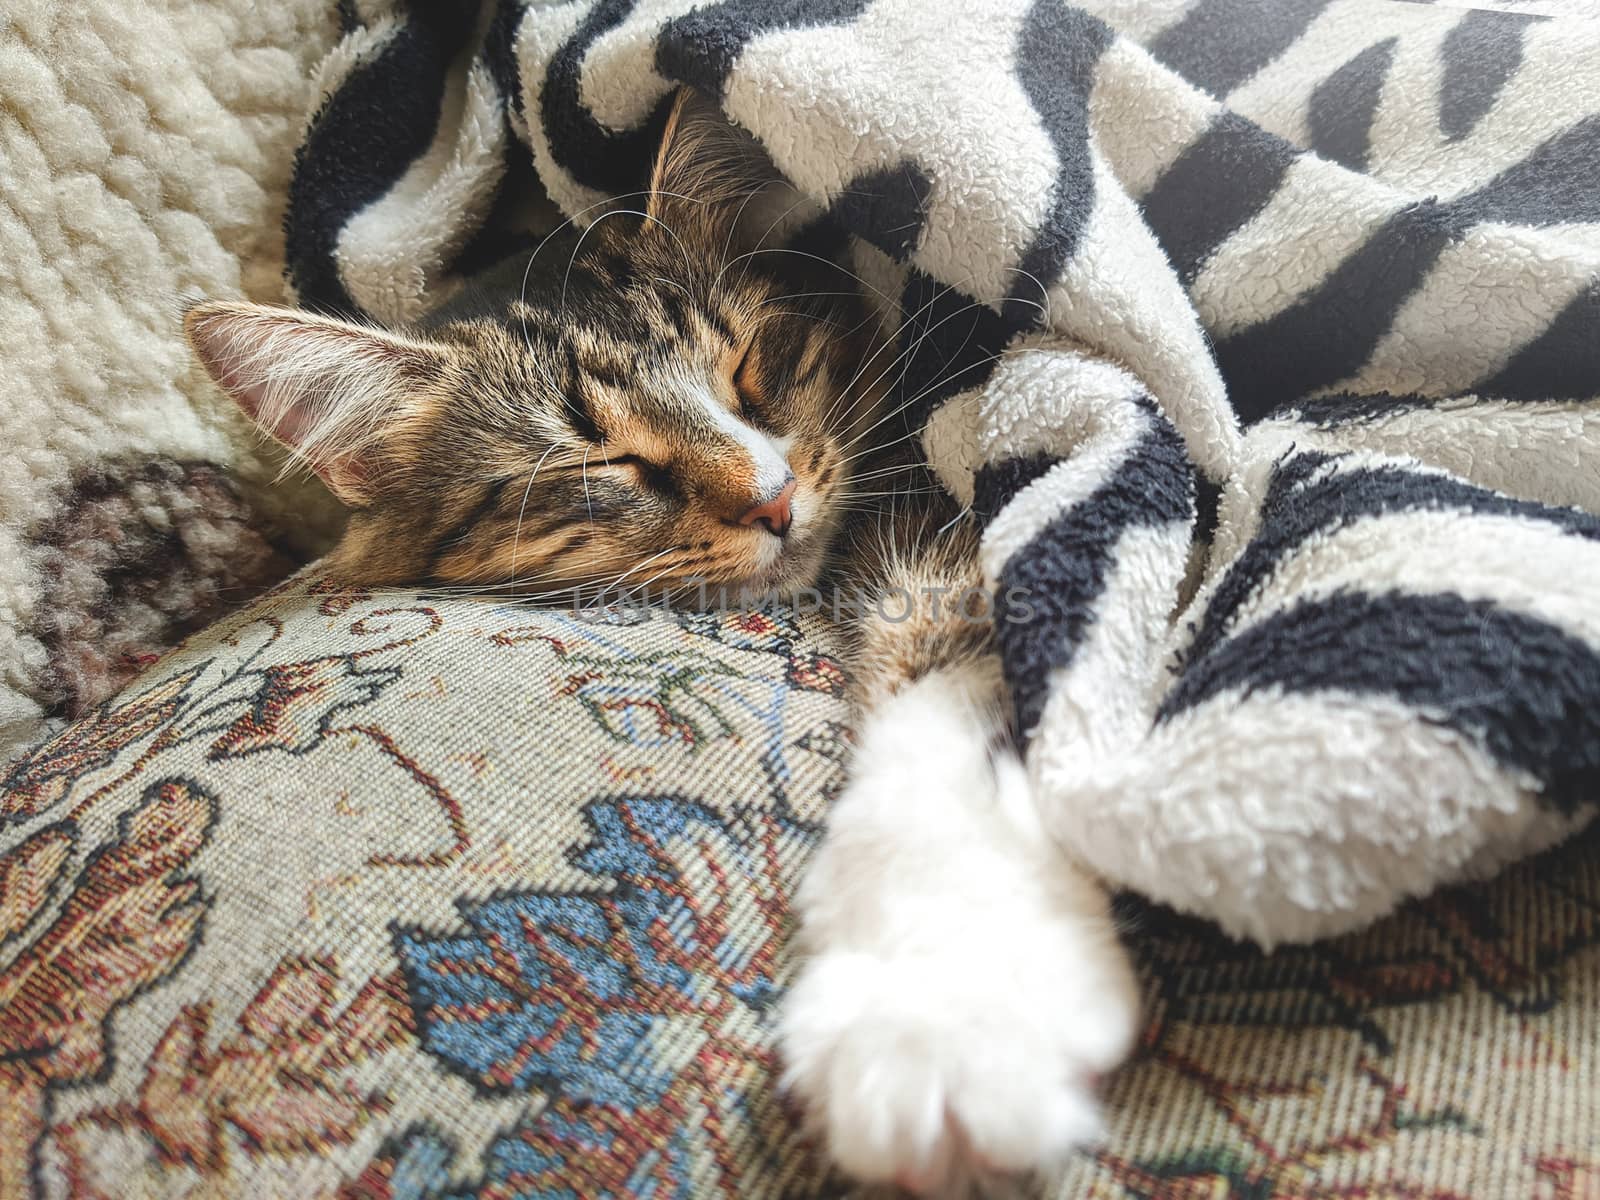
(675, 402)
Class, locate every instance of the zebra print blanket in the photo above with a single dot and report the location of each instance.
(1278, 394)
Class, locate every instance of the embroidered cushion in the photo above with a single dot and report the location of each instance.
(402, 895)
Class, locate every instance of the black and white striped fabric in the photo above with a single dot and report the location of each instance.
(1261, 336)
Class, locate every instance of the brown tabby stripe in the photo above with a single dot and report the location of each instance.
(719, 324)
(457, 533)
(577, 402)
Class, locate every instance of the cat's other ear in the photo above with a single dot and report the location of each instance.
(710, 176)
(329, 390)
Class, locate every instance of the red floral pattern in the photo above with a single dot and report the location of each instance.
(127, 922)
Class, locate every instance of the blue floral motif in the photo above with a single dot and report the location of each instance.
(623, 1003)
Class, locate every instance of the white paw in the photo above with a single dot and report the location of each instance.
(965, 988)
(933, 1073)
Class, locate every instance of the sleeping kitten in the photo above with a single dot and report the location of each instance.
(677, 402)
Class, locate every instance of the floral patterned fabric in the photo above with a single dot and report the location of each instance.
(397, 895)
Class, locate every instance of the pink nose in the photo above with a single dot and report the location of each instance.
(774, 514)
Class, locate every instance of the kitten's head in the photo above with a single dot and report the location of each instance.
(663, 404)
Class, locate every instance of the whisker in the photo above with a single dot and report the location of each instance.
(905, 356)
(860, 371)
(966, 511)
(727, 243)
(588, 500)
(522, 295)
(807, 296)
(882, 446)
(480, 588)
(617, 212)
(820, 318)
(882, 472)
(643, 563)
(1043, 291)
(516, 538)
(806, 254)
(918, 396)
(631, 592)
(938, 383)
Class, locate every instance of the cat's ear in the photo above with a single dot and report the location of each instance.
(328, 390)
(707, 174)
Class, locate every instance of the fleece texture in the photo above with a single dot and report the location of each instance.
(145, 151)
(1260, 340)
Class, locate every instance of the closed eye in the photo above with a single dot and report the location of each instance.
(652, 475)
(744, 386)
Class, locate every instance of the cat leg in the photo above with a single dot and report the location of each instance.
(963, 987)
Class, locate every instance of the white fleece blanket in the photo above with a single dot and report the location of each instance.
(145, 152)
(1262, 339)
